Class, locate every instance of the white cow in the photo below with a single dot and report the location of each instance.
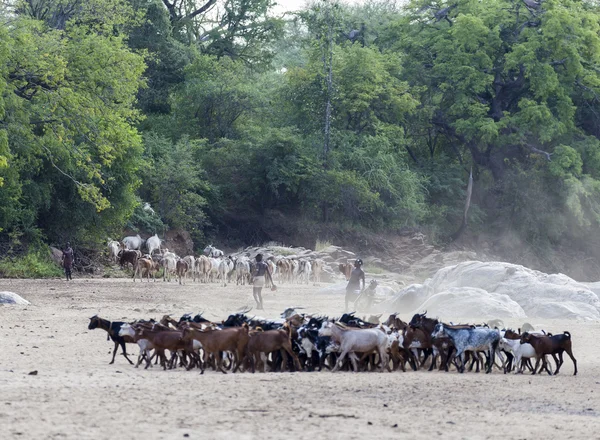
(202, 269)
(169, 264)
(214, 269)
(304, 271)
(132, 243)
(113, 250)
(213, 252)
(242, 270)
(226, 267)
(191, 262)
(153, 243)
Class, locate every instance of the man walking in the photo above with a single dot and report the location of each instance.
(67, 261)
(260, 272)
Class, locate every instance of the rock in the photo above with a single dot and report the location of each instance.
(56, 255)
(12, 298)
(409, 298)
(496, 290)
(471, 302)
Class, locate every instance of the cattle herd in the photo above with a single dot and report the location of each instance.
(302, 342)
(212, 266)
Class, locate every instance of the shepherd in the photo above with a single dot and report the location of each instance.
(67, 261)
(353, 288)
(260, 272)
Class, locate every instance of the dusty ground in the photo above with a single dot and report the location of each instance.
(77, 395)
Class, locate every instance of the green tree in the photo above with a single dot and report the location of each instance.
(68, 118)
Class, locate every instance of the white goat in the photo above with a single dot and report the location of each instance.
(144, 344)
(520, 351)
(359, 340)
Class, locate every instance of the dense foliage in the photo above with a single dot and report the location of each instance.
(222, 116)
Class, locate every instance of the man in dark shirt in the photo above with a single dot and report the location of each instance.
(260, 272)
(353, 288)
(67, 261)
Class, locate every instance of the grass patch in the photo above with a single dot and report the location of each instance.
(322, 245)
(282, 250)
(36, 263)
(373, 269)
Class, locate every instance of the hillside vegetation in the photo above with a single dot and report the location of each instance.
(238, 125)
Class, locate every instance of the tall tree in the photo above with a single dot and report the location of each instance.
(68, 118)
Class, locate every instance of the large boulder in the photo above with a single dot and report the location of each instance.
(12, 298)
(471, 302)
(537, 294)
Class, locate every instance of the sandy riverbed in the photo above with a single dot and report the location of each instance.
(77, 395)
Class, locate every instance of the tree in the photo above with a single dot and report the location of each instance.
(68, 118)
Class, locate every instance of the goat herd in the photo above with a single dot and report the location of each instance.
(300, 342)
(212, 266)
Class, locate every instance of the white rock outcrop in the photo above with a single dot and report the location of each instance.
(461, 302)
(537, 294)
(12, 298)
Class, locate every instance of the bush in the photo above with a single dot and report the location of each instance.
(36, 263)
(322, 245)
(373, 269)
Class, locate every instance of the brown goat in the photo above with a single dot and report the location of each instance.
(553, 345)
(143, 267)
(171, 340)
(268, 342)
(213, 342)
(181, 269)
(346, 269)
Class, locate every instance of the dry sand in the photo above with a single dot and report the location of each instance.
(77, 395)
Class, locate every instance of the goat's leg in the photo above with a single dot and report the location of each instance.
(340, 360)
(570, 353)
(545, 364)
(461, 356)
(295, 359)
(124, 350)
(433, 361)
(220, 364)
(141, 357)
(426, 353)
(558, 362)
(385, 361)
(114, 353)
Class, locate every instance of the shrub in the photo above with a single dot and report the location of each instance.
(321, 245)
(36, 263)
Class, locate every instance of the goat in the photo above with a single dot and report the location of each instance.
(171, 340)
(519, 350)
(470, 339)
(145, 345)
(553, 345)
(360, 340)
(112, 328)
(268, 342)
(143, 265)
(215, 341)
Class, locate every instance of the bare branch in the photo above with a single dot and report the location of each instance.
(538, 151)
